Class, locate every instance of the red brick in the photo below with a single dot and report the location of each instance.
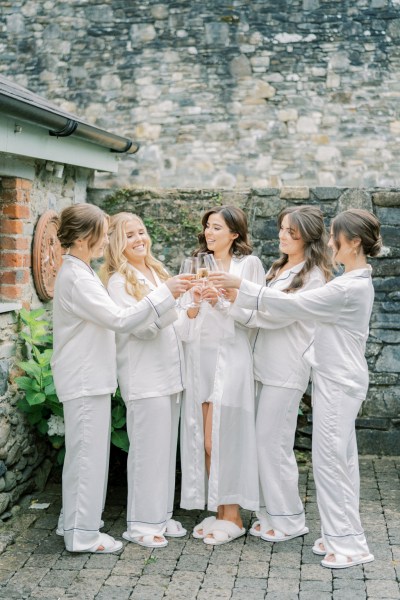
(11, 292)
(17, 211)
(11, 226)
(13, 260)
(14, 196)
(20, 276)
(14, 243)
(16, 183)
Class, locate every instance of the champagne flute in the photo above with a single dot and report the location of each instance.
(188, 267)
(217, 264)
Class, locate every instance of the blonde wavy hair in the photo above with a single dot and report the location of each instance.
(115, 260)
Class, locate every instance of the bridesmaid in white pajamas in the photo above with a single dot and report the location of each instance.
(84, 369)
(282, 372)
(218, 452)
(150, 373)
(342, 310)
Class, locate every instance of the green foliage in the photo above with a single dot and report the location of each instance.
(40, 402)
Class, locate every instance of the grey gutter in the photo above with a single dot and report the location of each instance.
(18, 102)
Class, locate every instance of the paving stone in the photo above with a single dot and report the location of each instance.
(316, 586)
(309, 595)
(349, 594)
(248, 582)
(114, 593)
(122, 581)
(142, 592)
(48, 593)
(58, 578)
(192, 563)
(214, 594)
(257, 569)
(383, 589)
(38, 566)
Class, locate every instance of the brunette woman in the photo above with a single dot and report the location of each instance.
(283, 374)
(218, 452)
(341, 310)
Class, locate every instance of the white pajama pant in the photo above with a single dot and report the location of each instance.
(275, 430)
(335, 466)
(152, 425)
(84, 479)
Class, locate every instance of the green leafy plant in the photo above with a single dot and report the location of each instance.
(40, 402)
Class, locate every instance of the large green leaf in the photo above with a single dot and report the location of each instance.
(31, 368)
(35, 398)
(57, 441)
(25, 383)
(120, 439)
(118, 415)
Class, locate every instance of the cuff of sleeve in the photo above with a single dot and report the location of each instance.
(248, 296)
(161, 299)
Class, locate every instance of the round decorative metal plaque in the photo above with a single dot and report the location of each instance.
(47, 252)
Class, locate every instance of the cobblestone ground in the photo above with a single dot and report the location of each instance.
(34, 563)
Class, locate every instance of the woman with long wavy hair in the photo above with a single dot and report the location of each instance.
(83, 364)
(282, 373)
(150, 373)
(341, 310)
(218, 450)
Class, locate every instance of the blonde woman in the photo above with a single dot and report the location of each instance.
(83, 365)
(150, 374)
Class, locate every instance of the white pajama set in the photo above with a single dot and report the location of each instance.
(341, 310)
(150, 370)
(219, 370)
(84, 369)
(282, 375)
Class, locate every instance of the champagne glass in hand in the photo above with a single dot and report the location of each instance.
(189, 269)
(217, 264)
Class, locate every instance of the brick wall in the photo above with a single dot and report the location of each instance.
(15, 243)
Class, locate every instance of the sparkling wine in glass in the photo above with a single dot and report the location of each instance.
(189, 267)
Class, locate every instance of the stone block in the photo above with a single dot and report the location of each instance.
(295, 193)
(386, 198)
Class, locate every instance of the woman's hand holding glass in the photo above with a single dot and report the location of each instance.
(225, 281)
(178, 285)
(188, 270)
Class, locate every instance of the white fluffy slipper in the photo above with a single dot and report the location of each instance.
(174, 529)
(223, 532)
(281, 537)
(109, 544)
(205, 527)
(147, 541)
(316, 548)
(253, 531)
(342, 562)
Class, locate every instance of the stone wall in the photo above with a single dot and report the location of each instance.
(173, 218)
(262, 93)
(24, 457)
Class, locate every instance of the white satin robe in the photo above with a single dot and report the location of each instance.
(234, 470)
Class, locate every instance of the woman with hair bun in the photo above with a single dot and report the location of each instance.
(342, 310)
(283, 374)
(84, 368)
(150, 372)
(218, 449)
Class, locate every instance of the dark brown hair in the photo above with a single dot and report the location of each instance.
(236, 221)
(358, 223)
(308, 223)
(81, 221)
